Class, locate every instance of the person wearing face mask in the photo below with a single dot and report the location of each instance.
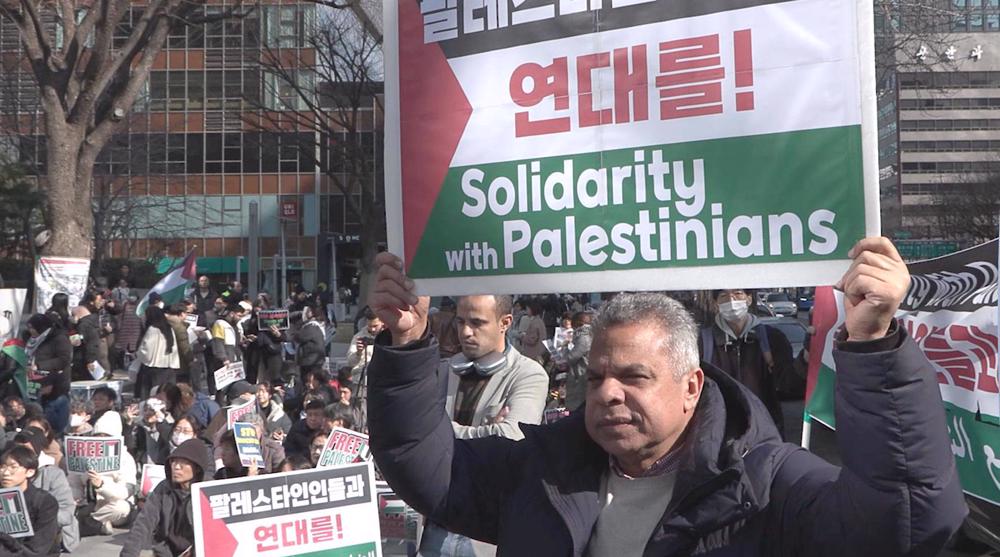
(749, 351)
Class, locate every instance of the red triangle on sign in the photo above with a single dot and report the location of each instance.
(219, 540)
(434, 111)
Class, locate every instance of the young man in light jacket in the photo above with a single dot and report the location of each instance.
(110, 492)
(491, 389)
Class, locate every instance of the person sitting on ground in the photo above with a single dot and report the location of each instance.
(316, 444)
(197, 404)
(104, 500)
(18, 466)
(79, 418)
(232, 466)
(295, 463)
(297, 440)
(271, 411)
(338, 415)
(237, 394)
(105, 417)
(50, 478)
(166, 523)
(18, 413)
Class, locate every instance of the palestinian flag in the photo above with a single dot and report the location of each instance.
(14, 349)
(951, 313)
(173, 284)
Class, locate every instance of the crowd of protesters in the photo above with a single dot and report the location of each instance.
(502, 363)
(172, 414)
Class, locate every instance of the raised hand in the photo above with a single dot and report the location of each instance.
(873, 288)
(394, 302)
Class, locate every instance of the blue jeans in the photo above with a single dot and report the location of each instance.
(57, 413)
(438, 542)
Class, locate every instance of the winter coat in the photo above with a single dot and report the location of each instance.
(743, 359)
(183, 345)
(203, 409)
(55, 355)
(297, 439)
(739, 489)
(165, 524)
(153, 350)
(116, 486)
(578, 359)
(310, 343)
(89, 327)
(42, 509)
(275, 418)
(52, 480)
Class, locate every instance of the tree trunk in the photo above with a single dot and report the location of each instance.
(71, 220)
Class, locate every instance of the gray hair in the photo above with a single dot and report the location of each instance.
(680, 332)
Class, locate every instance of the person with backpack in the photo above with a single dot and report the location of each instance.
(749, 351)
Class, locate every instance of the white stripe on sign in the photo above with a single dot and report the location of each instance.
(804, 67)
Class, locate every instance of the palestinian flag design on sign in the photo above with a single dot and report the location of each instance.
(604, 141)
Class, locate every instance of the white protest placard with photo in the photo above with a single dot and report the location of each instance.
(241, 413)
(648, 145)
(229, 374)
(325, 511)
(14, 518)
(248, 445)
(60, 274)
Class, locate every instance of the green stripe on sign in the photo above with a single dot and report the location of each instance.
(820, 405)
(795, 196)
(976, 445)
(360, 550)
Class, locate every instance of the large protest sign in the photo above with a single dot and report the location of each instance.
(329, 511)
(950, 311)
(11, 308)
(569, 142)
(100, 454)
(60, 274)
(245, 412)
(344, 446)
(229, 374)
(247, 445)
(14, 519)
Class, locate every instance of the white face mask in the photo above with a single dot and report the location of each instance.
(45, 460)
(179, 438)
(734, 310)
(77, 420)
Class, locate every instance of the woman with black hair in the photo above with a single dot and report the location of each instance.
(58, 311)
(50, 356)
(158, 354)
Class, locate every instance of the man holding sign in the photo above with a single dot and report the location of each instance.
(17, 467)
(690, 458)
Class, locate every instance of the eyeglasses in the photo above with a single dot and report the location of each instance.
(181, 430)
(12, 467)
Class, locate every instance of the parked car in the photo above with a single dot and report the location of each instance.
(793, 329)
(805, 302)
(779, 303)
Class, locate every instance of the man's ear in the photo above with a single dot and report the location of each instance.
(691, 386)
(30, 473)
(505, 322)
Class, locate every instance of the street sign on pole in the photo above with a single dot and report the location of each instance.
(289, 210)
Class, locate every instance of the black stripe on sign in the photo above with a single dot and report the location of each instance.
(572, 25)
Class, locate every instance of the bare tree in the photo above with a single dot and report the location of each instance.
(89, 66)
(332, 91)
